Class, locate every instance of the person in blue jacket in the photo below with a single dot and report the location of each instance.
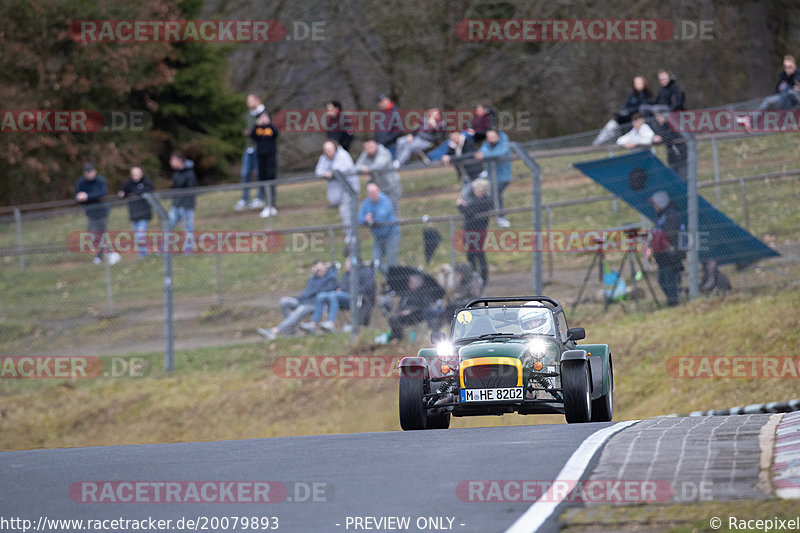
(323, 279)
(497, 145)
(378, 213)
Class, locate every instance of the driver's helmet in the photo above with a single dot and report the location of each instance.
(533, 319)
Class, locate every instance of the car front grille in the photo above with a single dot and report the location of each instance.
(490, 376)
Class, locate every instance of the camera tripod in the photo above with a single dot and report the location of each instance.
(630, 256)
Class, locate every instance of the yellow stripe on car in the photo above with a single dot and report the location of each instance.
(481, 361)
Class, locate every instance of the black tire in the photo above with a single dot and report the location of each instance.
(603, 407)
(577, 392)
(413, 415)
(440, 421)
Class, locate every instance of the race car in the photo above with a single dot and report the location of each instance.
(506, 355)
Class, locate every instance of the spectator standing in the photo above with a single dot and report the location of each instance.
(638, 96)
(265, 135)
(640, 136)
(677, 151)
(475, 224)
(335, 158)
(376, 161)
(182, 210)
(90, 191)
(323, 279)
(670, 97)
(139, 211)
(461, 153)
(497, 146)
(377, 212)
(389, 127)
(665, 245)
(337, 126)
(249, 157)
(427, 134)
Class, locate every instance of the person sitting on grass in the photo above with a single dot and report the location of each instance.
(323, 279)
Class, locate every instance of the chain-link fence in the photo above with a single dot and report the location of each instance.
(237, 282)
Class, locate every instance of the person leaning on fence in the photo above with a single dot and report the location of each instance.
(323, 279)
(461, 154)
(335, 158)
(182, 210)
(376, 161)
(265, 134)
(640, 136)
(337, 126)
(90, 191)
(639, 95)
(664, 243)
(677, 149)
(475, 224)
(249, 158)
(139, 211)
(377, 212)
(497, 146)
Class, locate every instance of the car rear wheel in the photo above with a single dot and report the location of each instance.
(413, 415)
(440, 421)
(577, 392)
(603, 407)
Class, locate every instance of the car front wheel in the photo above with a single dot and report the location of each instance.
(603, 407)
(577, 392)
(413, 415)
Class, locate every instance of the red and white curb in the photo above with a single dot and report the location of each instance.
(786, 460)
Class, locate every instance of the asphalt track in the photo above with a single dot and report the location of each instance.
(394, 474)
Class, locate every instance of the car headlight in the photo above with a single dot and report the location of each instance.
(537, 347)
(444, 349)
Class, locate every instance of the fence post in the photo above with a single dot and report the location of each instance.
(716, 170)
(614, 203)
(219, 278)
(332, 242)
(745, 205)
(20, 245)
(169, 341)
(692, 214)
(536, 192)
(452, 243)
(109, 294)
(352, 195)
(549, 209)
(268, 191)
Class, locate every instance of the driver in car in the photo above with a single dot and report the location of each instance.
(535, 321)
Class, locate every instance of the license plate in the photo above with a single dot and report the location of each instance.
(492, 395)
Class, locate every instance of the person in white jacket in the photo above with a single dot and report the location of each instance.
(333, 158)
(640, 136)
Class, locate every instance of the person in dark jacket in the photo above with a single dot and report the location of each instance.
(415, 305)
(482, 122)
(182, 210)
(664, 243)
(323, 279)
(139, 211)
(677, 151)
(337, 126)
(424, 136)
(461, 154)
(90, 191)
(265, 135)
(475, 224)
(670, 97)
(389, 127)
(639, 95)
(340, 298)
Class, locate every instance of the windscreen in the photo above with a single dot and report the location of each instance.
(517, 320)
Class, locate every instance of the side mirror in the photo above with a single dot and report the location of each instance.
(576, 334)
(437, 337)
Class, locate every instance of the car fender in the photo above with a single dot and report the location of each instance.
(599, 356)
(410, 365)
